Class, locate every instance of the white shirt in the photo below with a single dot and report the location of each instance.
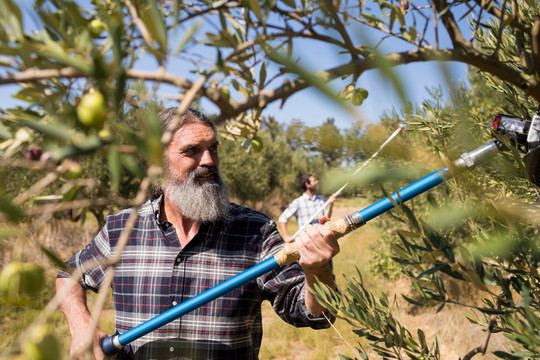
(303, 209)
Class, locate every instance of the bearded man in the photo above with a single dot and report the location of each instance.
(186, 240)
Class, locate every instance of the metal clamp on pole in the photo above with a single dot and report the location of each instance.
(470, 159)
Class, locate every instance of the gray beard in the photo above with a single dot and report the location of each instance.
(203, 202)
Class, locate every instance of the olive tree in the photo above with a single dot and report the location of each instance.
(89, 75)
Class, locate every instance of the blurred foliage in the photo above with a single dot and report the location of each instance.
(61, 153)
(479, 228)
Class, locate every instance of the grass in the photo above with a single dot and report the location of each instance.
(280, 340)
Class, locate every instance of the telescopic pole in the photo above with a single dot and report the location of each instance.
(289, 253)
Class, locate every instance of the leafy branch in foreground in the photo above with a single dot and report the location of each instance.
(375, 319)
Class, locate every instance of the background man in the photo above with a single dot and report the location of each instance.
(305, 206)
(185, 241)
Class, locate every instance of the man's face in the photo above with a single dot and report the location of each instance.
(192, 181)
(193, 146)
(312, 183)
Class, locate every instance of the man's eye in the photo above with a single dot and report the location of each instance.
(213, 148)
(189, 151)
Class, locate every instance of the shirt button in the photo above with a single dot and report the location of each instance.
(177, 260)
(174, 303)
(171, 349)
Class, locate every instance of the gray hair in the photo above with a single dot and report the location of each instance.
(169, 116)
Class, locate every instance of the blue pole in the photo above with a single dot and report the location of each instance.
(405, 194)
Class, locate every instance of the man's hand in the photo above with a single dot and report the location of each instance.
(285, 233)
(288, 239)
(79, 343)
(332, 198)
(317, 246)
(72, 299)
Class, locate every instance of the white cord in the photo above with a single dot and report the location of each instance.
(318, 212)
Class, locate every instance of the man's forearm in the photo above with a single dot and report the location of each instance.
(284, 230)
(72, 298)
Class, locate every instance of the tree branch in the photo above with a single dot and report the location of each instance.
(465, 54)
(457, 38)
(498, 13)
(492, 321)
(341, 29)
(140, 24)
(535, 44)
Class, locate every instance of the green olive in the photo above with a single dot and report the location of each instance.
(257, 144)
(96, 27)
(73, 170)
(359, 96)
(41, 345)
(92, 111)
(224, 92)
(19, 278)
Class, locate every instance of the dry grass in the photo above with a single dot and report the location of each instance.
(280, 341)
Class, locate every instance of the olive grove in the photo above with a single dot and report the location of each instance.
(89, 77)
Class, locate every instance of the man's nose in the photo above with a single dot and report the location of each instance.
(207, 158)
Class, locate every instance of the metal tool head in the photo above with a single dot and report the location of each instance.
(525, 136)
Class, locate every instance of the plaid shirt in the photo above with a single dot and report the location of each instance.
(155, 274)
(303, 209)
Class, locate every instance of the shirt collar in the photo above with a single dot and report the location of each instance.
(306, 196)
(156, 206)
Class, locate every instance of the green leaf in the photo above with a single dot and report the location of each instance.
(254, 6)
(155, 23)
(55, 259)
(410, 215)
(430, 271)
(262, 75)
(476, 280)
(422, 339)
(53, 50)
(414, 302)
(70, 193)
(187, 36)
(4, 132)
(13, 213)
(505, 355)
(507, 20)
(88, 145)
(290, 3)
(132, 165)
(115, 167)
(11, 16)
(372, 19)
(218, 3)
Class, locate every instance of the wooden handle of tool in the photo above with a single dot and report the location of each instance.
(290, 254)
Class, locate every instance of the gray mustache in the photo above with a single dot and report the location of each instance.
(205, 170)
